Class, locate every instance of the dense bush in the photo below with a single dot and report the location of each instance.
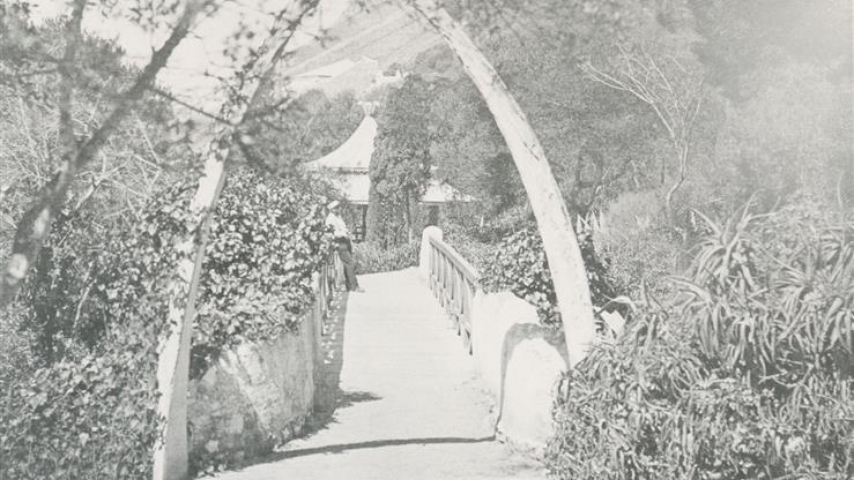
(88, 417)
(63, 274)
(372, 258)
(266, 241)
(749, 376)
(468, 244)
(89, 413)
(641, 251)
(519, 265)
(773, 296)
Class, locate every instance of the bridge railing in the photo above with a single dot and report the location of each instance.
(454, 281)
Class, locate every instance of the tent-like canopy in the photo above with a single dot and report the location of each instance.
(354, 155)
(348, 166)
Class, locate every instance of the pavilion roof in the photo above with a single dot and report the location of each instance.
(352, 155)
(347, 167)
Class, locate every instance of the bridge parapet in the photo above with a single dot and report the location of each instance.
(518, 360)
(257, 395)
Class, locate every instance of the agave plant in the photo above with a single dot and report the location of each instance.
(772, 296)
(748, 376)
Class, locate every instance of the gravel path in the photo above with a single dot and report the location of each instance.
(409, 405)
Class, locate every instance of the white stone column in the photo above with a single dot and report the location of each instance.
(424, 255)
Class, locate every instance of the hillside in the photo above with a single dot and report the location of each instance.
(357, 49)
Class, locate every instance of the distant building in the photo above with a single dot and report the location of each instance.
(347, 166)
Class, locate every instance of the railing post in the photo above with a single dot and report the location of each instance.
(446, 280)
(434, 269)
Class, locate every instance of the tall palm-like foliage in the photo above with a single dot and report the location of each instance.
(773, 297)
(749, 376)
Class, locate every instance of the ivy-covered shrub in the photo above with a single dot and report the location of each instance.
(750, 375)
(266, 241)
(51, 294)
(468, 243)
(372, 258)
(90, 411)
(519, 265)
(91, 417)
(83, 404)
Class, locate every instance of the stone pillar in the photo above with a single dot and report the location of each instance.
(424, 255)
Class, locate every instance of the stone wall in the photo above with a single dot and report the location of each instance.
(520, 362)
(256, 396)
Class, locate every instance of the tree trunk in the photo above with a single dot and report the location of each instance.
(553, 220)
(170, 451)
(682, 161)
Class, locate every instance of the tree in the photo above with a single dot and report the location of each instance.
(657, 67)
(306, 128)
(142, 155)
(599, 141)
(468, 150)
(72, 153)
(787, 139)
(738, 38)
(400, 165)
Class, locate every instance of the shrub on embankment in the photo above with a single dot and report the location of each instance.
(88, 411)
(517, 263)
(372, 258)
(748, 375)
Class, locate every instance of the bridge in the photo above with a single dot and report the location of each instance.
(409, 401)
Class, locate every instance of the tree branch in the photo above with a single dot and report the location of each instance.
(74, 36)
(34, 226)
(172, 98)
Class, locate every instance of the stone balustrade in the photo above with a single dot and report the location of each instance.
(518, 360)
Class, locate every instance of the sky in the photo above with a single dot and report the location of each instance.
(185, 73)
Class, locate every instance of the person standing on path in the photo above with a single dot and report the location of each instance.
(344, 246)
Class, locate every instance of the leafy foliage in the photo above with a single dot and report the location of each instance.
(266, 241)
(640, 251)
(371, 258)
(55, 319)
(520, 266)
(748, 377)
(90, 417)
(290, 131)
(774, 297)
(400, 165)
(89, 412)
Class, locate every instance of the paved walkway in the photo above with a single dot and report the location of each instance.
(409, 405)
